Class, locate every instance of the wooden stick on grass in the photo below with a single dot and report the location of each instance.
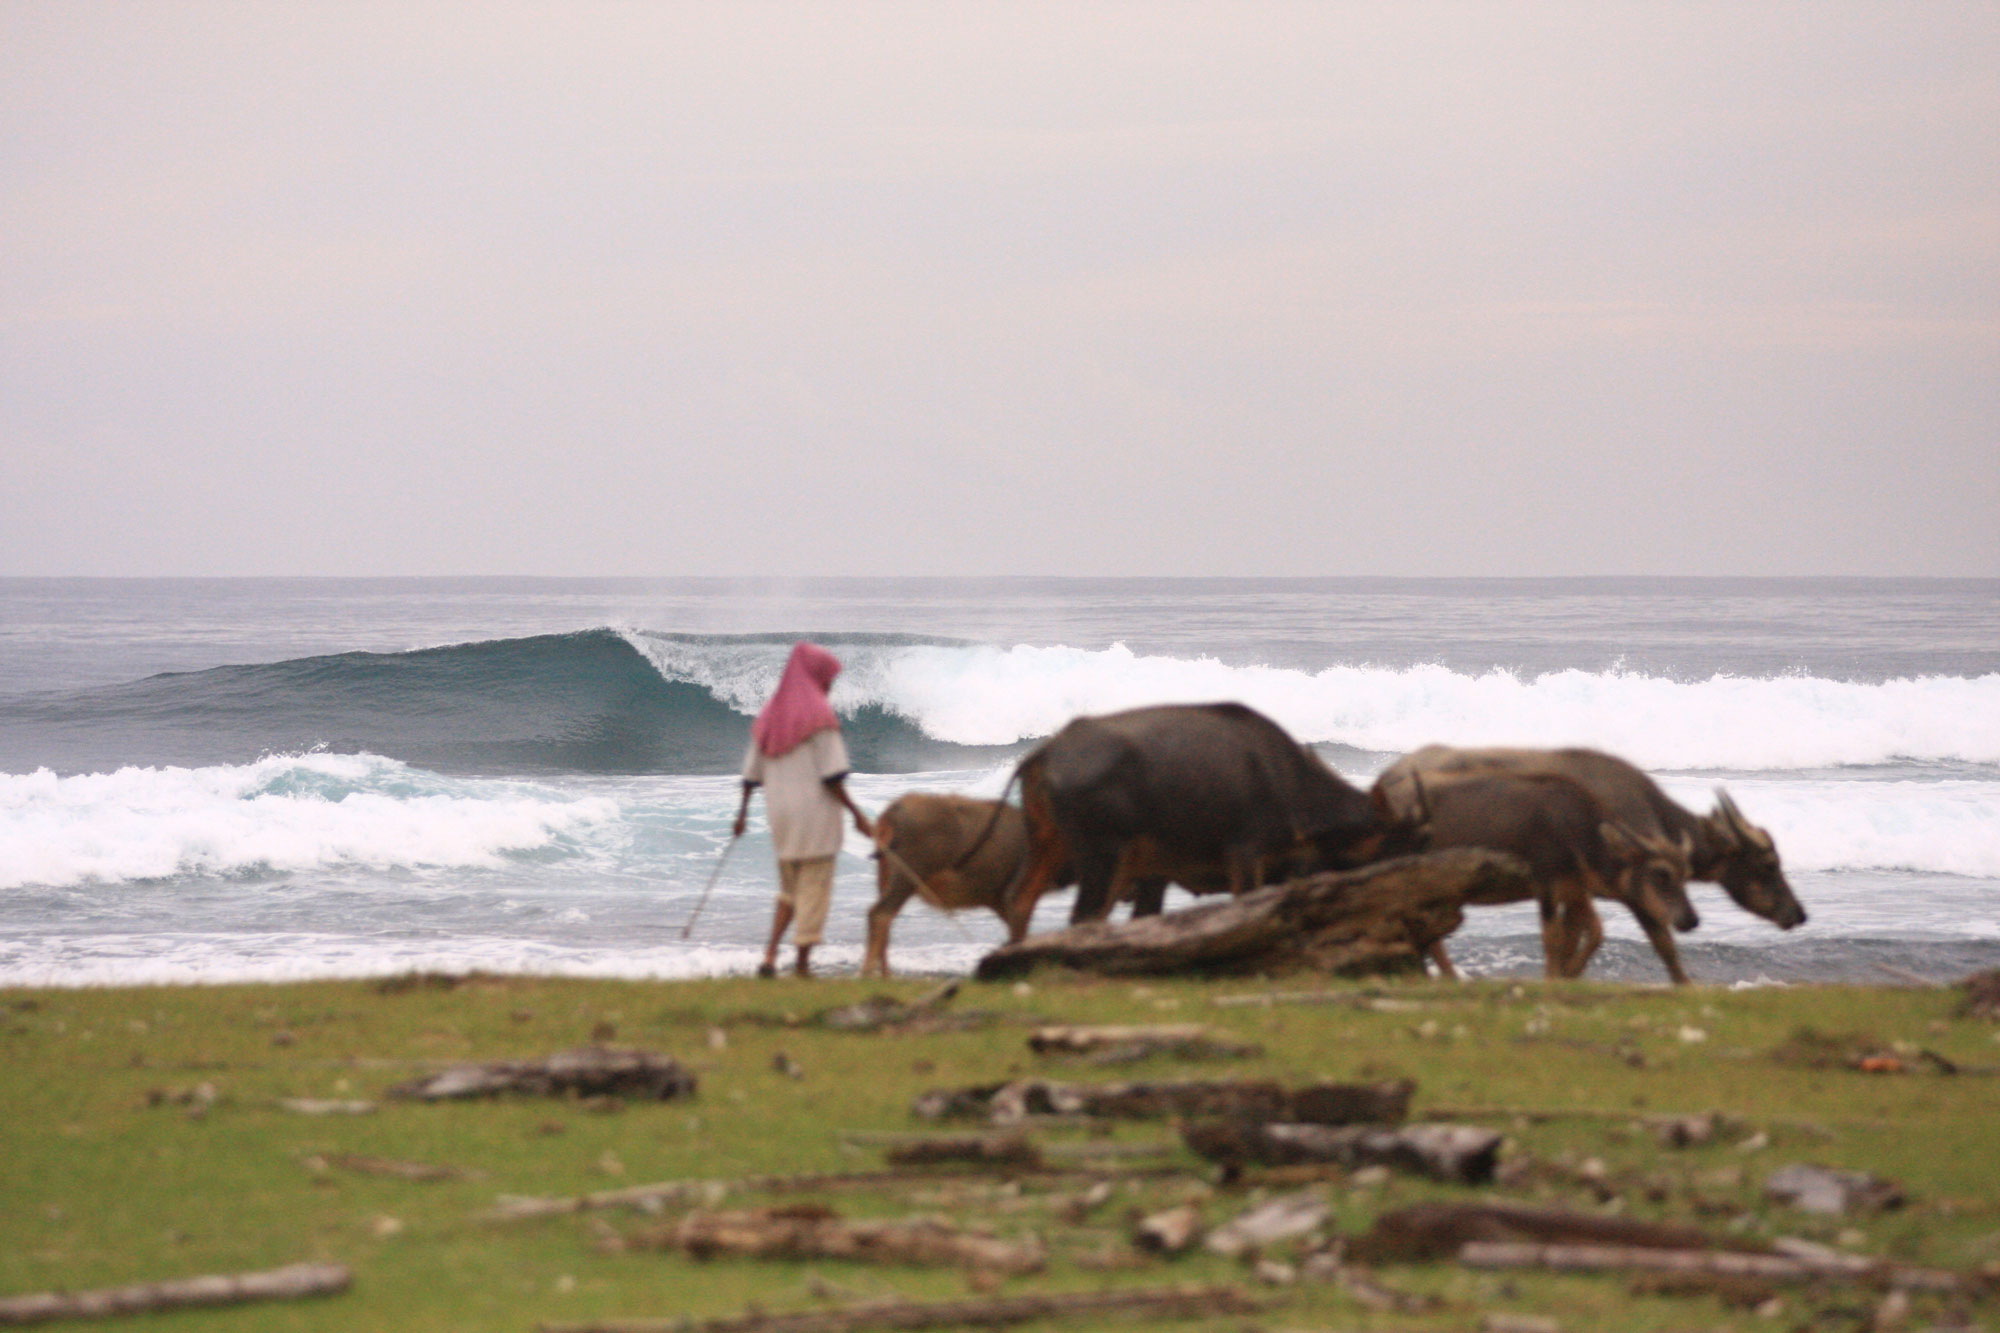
(989, 1312)
(289, 1283)
(1719, 1263)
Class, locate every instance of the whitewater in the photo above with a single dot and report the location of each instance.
(315, 778)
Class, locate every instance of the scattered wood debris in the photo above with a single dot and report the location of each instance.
(1278, 1219)
(886, 1013)
(1439, 1230)
(1829, 1190)
(1459, 1153)
(276, 1284)
(814, 1231)
(1118, 1044)
(1687, 1131)
(1316, 1103)
(588, 1071)
(984, 1312)
(196, 1100)
(1366, 1291)
(361, 1164)
(999, 1151)
(659, 1196)
(1378, 919)
(1169, 1232)
(324, 1106)
(1768, 1267)
(1810, 1048)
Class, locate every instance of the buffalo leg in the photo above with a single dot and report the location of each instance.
(1095, 874)
(1662, 941)
(1046, 857)
(1442, 962)
(892, 890)
(1581, 929)
(1149, 897)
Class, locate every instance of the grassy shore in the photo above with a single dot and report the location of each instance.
(118, 1168)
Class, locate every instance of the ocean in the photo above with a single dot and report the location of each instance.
(220, 780)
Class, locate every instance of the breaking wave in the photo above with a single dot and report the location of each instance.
(637, 701)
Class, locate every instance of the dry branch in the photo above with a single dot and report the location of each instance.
(661, 1195)
(815, 1232)
(1110, 1044)
(1767, 1267)
(990, 1312)
(1440, 1230)
(999, 1151)
(1458, 1153)
(588, 1071)
(1379, 919)
(1315, 1103)
(276, 1284)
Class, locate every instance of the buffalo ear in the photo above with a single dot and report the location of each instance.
(1622, 841)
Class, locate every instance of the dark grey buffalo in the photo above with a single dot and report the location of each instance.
(1574, 850)
(925, 847)
(1211, 796)
(1724, 847)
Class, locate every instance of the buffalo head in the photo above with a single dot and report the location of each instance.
(1655, 872)
(1744, 861)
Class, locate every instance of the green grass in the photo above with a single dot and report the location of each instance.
(102, 1182)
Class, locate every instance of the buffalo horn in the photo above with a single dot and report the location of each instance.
(1744, 830)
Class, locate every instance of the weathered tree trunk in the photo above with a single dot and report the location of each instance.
(815, 1232)
(1460, 1154)
(590, 1071)
(1115, 1043)
(992, 1312)
(999, 1151)
(1169, 1232)
(1379, 919)
(274, 1284)
(1769, 1267)
(1440, 1230)
(1263, 1099)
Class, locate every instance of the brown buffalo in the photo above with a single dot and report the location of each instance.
(921, 842)
(1573, 851)
(1724, 847)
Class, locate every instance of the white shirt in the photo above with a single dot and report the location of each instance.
(805, 817)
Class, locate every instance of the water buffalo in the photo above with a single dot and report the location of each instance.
(1573, 850)
(1209, 795)
(1726, 848)
(921, 846)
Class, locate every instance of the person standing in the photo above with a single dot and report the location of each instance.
(799, 759)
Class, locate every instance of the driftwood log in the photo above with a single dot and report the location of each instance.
(1441, 1230)
(1767, 1267)
(1379, 919)
(1277, 1219)
(1461, 1154)
(813, 1231)
(276, 1284)
(991, 1312)
(1262, 1099)
(589, 1071)
(997, 1151)
(1113, 1044)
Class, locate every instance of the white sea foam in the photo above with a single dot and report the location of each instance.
(210, 957)
(992, 696)
(283, 813)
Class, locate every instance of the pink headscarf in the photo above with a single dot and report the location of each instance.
(798, 709)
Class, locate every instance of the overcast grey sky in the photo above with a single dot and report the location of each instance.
(1156, 288)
